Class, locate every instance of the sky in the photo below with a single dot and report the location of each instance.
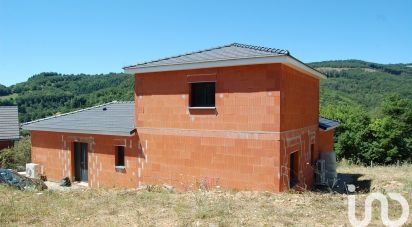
(101, 36)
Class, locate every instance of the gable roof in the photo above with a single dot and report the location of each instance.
(327, 124)
(222, 56)
(114, 118)
(9, 123)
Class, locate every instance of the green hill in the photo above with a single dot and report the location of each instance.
(46, 94)
(373, 102)
(363, 83)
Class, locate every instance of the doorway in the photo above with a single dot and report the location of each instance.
(294, 169)
(80, 162)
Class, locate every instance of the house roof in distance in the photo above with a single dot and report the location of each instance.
(9, 123)
(114, 118)
(228, 55)
(327, 124)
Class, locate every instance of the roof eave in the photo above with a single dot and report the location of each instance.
(328, 128)
(285, 59)
(80, 131)
(10, 139)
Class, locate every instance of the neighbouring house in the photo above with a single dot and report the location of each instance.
(235, 116)
(9, 126)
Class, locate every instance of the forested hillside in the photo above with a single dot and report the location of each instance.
(372, 101)
(363, 83)
(47, 94)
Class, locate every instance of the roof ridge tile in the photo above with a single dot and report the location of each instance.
(266, 49)
(251, 47)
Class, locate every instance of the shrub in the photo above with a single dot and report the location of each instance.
(17, 156)
(383, 139)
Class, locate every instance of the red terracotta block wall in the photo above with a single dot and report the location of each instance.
(326, 140)
(54, 152)
(298, 141)
(300, 99)
(245, 144)
(299, 116)
(233, 147)
(247, 98)
(190, 162)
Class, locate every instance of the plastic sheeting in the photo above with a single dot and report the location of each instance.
(19, 181)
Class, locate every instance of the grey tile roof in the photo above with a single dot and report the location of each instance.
(227, 52)
(114, 118)
(9, 123)
(325, 123)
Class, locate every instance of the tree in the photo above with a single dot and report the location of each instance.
(4, 90)
(17, 156)
(392, 131)
(385, 139)
(353, 136)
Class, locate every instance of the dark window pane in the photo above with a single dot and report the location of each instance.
(203, 94)
(120, 156)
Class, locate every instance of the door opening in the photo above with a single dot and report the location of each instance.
(294, 169)
(80, 162)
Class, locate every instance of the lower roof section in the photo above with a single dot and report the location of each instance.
(327, 124)
(114, 118)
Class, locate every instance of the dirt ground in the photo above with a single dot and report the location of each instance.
(158, 207)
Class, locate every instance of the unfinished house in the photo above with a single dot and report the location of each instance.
(9, 126)
(235, 116)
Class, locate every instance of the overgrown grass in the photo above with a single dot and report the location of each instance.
(118, 207)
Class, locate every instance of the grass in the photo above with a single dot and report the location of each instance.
(114, 207)
(11, 96)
